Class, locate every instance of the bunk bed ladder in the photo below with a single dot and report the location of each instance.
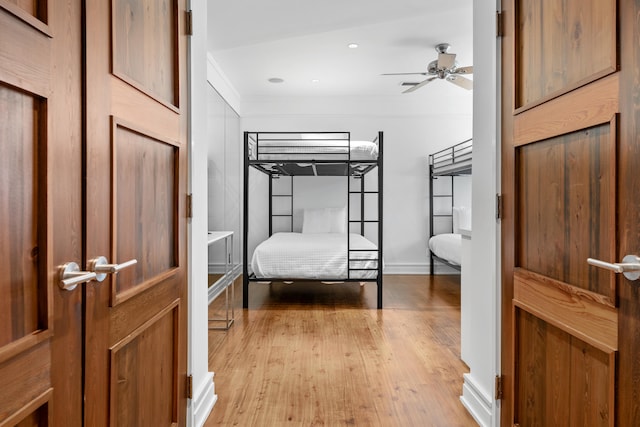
(362, 192)
(432, 215)
(280, 196)
(245, 224)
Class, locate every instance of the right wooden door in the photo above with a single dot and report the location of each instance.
(570, 156)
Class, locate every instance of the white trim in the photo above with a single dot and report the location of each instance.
(218, 79)
(458, 105)
(477, 403)
(416, 268)
(406, 268)
(204, 400)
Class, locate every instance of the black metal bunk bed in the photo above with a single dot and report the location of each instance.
(291, 154)
(446, 164)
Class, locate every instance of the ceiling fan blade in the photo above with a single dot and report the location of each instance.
(419, 85)
(403, 74)
(446, 60)
(464, 70)
(463, 82)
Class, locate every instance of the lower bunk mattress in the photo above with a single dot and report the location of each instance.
(315, 256)
(447, 246)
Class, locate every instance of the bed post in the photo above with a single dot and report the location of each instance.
(245, 225)
(380, 219)
(362, 177)
(270, 205)
(431, 199)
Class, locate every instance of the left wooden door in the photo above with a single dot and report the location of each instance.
(40, 212)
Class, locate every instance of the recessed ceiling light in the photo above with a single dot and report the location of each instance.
(353, 45)
(315, 81)
(276, 80)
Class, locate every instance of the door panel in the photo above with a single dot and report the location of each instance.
(136, 192)
(553, 395)
(144, 187)
(573, 218)
(145, 47)
(562, 162)
(554, 38)
(143, 376)
(24, 306)
(40, 212)
(35, 8)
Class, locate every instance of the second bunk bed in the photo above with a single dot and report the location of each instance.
(445, 218)
(334, 243)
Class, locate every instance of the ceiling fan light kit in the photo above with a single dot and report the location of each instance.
(443, 68)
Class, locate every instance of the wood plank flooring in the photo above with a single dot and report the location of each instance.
(310, 354)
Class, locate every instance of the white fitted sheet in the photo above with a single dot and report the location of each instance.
(447, 246)
(313, 256)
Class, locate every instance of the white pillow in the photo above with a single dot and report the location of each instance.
(461, 218)
(324, 220)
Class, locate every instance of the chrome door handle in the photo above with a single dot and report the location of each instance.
(101, 267)
(629, 267)
(71, 276)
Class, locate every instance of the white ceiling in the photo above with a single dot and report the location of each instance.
(301, 40)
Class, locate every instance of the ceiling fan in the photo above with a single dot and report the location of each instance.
(445, 68)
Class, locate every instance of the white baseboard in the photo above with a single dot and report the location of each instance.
(204, 398)
(477, 403)
(406, 268)
(417, 268)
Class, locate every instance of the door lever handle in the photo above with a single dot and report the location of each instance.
(71, 276)
(629, 267)
(101, 267)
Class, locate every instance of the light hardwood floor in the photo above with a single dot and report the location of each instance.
(310, 354)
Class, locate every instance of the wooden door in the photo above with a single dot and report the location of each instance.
(40, 212)
(570, 162)
(136, 154)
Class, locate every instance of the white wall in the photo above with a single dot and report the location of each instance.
(484, 312)
(408, 140)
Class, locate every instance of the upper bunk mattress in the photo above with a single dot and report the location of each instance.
(447, 246)
(315, 256)
(313, 149)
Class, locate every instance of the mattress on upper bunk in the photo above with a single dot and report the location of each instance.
(312, 149)
(447, 246)
(313, 256)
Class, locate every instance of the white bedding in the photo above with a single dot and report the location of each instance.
(447, 246)
(320, 149)
(313, 256)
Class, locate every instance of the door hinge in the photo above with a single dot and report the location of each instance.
(188, 27)
(498, 206)
(189, 387)
(499, 24)
(499, 387)
(189, 206)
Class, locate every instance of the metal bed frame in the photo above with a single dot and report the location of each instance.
(448, 163)
(343, 165)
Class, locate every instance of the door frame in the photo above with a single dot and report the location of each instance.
(204, 397)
